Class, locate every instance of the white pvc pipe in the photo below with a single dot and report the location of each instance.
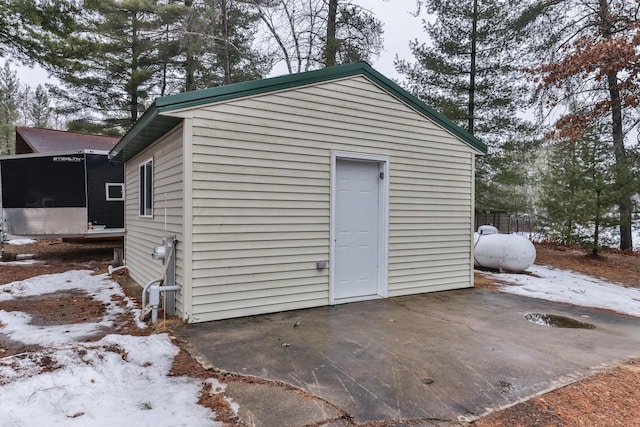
(112, 269)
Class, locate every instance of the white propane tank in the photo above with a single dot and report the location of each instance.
(503, 251)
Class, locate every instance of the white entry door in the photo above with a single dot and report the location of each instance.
(357, 233)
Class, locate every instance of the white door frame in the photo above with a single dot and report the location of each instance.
(383, 223)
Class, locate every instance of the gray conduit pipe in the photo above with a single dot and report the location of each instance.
(155, 290)
(145, 289)
(154, 296)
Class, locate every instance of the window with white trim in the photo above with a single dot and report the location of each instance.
(146, 189)
(114, 191)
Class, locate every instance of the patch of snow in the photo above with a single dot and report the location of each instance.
(570, 287)
(20, 242)
(234, 406)
(18, 327)
(99, 286)
(216, 388)
(118, 381)
(23, 262)
(48, 283)
(608, 236)
(121, 380)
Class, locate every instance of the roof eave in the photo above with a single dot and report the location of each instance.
(143, 133)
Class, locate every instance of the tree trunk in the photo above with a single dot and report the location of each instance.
(133, 88)
(291, 19)
(134, 106)
(226, 61)
(598, 219)
(622, 174)
(189, 63)
(472, 70)
(331, 48)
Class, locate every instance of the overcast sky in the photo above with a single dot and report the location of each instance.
(399, 28)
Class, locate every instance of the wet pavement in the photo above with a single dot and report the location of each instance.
(433, 358)
(555, 321)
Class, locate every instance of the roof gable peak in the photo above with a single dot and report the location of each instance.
(153, 125)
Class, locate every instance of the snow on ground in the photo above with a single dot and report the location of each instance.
(609, 236)
(570, 287)
(121, 380)
(118, 381)
(20, 242)
(17, 324)
(23, 262)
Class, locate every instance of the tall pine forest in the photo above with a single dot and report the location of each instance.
(553, 88)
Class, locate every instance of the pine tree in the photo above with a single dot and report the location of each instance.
(578, 189)
(36, 109)
(9, 112)
(308, 34)
(358, 35)
(469, 72)
(591, 58)
(42, 32)
(136, 50)
(559, 186)
(331, 44)
(108, 90)
(218, 44)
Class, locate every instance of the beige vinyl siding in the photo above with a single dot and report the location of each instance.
(261, 196)
(259, 226)
(143, 234)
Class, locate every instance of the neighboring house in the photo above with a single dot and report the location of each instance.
(37, 140)
(299, 191)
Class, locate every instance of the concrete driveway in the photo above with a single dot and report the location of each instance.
(432, 358)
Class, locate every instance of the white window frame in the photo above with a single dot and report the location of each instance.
(109, 185)
(145, 188)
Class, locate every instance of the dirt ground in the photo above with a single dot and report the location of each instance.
(606, 399)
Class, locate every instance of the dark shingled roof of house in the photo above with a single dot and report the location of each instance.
(36, 140)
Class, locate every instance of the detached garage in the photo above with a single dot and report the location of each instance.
(318, 188)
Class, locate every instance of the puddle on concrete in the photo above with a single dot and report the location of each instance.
(555, 321)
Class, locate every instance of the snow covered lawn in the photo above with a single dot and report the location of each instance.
(121, 380)
(570, 287)
(20, 241)
(17, 325)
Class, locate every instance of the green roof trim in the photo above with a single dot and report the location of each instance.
(152, 125)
